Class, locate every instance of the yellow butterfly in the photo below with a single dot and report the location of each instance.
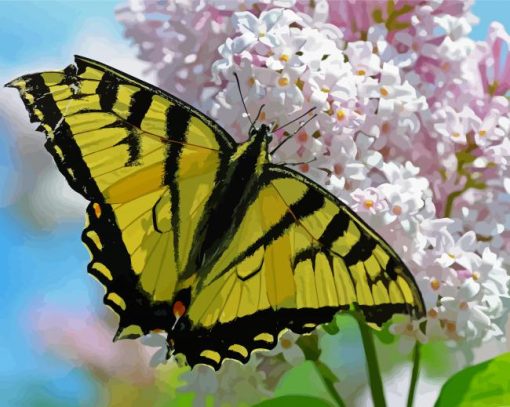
(199, 236)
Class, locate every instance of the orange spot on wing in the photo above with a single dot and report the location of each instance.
(179, 309)
(97, 209)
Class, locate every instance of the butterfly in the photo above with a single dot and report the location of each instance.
(198, 236)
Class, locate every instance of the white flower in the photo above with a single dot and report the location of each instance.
(334, 81)
(284, 54)
(392, 94)
(223, 65)
(263, 30)
(454, 126)
(362, 58)
(316, 48)
(468, 314)
(499, 154)
(410, 332)
(430, 231)
(284, 90)
(288, 348)
(487, 271)
(236, 5)
(460, 251)
(435, 282)
(369, 200)
(492, 128)
(405, 193)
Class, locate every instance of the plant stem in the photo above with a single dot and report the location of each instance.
(309, 344)
(374, 373)
(330, 387)
(414, 375)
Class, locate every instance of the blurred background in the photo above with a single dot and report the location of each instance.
(55, 342)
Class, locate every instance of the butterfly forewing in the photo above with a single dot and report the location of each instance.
(139, 155)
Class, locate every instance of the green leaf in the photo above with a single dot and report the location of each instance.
(486, 384)
(332, 327)
(294, 401)
(292, 382)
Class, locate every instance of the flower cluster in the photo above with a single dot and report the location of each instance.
(407, 121)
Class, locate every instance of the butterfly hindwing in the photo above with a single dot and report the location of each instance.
(138, 155)
(298, 257)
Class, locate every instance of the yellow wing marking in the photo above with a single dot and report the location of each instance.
(305, 285)
(116, 299)
(102, 269)
(281, 290)
(212, 355)
(265, 337)
(240, 349)
(324, 280)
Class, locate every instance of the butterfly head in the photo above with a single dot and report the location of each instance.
(261, 136)
(263, 131)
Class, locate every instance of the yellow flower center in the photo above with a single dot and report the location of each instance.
(368, 203)
(286, 343)
(251, 81)
(432, 313)
(451, 326)
(397, 210)
(435, 284)
(455, 135)
(482, 133)
(463, 305)
(325, 89)
(340, 114)
(451, 255)
(283, 81)
(384, 91)
(284, 57)
(476, 276)
(360, 72)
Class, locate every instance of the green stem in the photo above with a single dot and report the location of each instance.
(330, 387)
(309, 344)
(374, 373)
(414, 375)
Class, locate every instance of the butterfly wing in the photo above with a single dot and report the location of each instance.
(140, 156)
(299, 256)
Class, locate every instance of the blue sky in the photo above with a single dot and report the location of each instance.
(45, 34)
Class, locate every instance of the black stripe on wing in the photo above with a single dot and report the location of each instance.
(177, 119)
(225, 141)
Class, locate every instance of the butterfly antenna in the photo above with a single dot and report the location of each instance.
(258, 114)
(256, 118)
(242, 99)
(302, 162)
(292, 135)
(296, 119)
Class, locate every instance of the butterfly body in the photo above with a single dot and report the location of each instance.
(237, 187)
(199, 236)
